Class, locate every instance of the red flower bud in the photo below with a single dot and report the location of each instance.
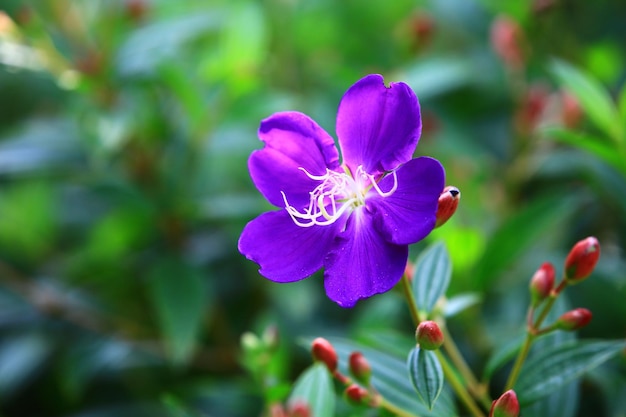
(428, 335)
(357, 395)
(448, 202)
(507, 40)
(360, 367)
(582, 260)
(505, 406)
(542, 283)
(323, 351)
(299, 409)
(277, 410)
(574, 319)
(571, 112)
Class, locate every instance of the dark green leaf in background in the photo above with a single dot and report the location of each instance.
(315, 389)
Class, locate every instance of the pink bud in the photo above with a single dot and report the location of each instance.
(299, 409)
(571, 112)
(542, 283)
(507, 41)
(582, 260)
(448, 202)
(277, 410)
(428, 335)
(360, 367)
(574, 319)
(323, 351)
(356, 394)
(505, 406)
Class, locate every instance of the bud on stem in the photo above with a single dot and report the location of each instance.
(360, 367)
(505, 406)
(574, 319)
(428, 335)
(448, 203)
(582, 260)
(323, 351)
(542, 283)
(357, 395)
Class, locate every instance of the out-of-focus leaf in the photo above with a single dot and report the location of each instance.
(389, 377)
(593, 97)
(460, 302)
(560, 365)
(151, 45)
(596, 146)
(21, 358)
(315, 389)
(179, 296)
(426, 375)
(518, 233)
(431, 276)
(622, 106)
(436, 76)
(501, 356)
(128, 410)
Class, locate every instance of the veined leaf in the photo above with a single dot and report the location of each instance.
(315, 388)
(460, 302)
(431, 276)
(426, 375)
(562, 364)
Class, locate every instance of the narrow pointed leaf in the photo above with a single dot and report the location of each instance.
(559, 365)
(426, 375)
(431, 277)
(315, 388)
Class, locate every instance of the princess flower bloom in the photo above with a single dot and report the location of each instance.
(355, 219)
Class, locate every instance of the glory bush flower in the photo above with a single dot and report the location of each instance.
(356, 218)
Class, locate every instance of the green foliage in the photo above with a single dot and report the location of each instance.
(431, 277)
(314, 388)
(426, 375)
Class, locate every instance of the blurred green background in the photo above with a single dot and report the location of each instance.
(125, 127)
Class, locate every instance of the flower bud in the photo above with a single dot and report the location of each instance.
(360, 367)
(542, 283)
(574, 319)
(428, 335)
(571, 112)
(507, 40)
(582, 260)
(448, 202)
(505, 406)
(323, 351)
(299, 409)
(356, 394)
(277, 410)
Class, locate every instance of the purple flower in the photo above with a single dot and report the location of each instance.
(355, 219)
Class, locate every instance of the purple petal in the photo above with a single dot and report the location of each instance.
(286, 252)
(408, 215)
(292, 140)
(362, 263)
(378, 127)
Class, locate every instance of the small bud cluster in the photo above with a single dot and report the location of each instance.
(579, 264)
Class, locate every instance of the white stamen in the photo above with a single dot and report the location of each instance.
(336, 194)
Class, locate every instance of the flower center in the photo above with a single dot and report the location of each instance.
(337, 193)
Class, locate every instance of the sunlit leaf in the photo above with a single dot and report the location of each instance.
(459, 303)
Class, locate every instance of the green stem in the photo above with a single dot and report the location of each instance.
(521, 357)
(448, 372)
(477, 389)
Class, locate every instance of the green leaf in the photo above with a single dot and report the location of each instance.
(179, 297)
(431, 276)
(501, 356)
(595, 146)
(558, 366)
(593, 97)
(460, 302)
(528, 225)
(315, 388)
(426, 375)
(389, 377)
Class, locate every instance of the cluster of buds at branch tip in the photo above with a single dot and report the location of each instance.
(360, 368)
(323, 351)
(541, 283)
(574, 319)
(448, 203)
(581, 260)
(505, 406)
(428, 335)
